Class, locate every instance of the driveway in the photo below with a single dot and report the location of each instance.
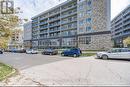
(84, 71)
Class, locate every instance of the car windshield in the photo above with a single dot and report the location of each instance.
(71, 49)
(29, 49)
(48, 49)
(67, 49)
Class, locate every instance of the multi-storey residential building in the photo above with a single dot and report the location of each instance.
(120, 27)
(16, 40)
(28, 35)
(74, 23)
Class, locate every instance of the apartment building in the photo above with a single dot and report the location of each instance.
(27, 35)
(120, 27)
(16, 39)
(74, 23)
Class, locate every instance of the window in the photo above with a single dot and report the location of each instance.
(88, 20)
(81, 7)
(69, 42)
(69, 25)
(89, 3)
(80, 0)
(88, 29)
(84, 40)
(81, 14)
(81, 22)
(88, 11)
(80, 29)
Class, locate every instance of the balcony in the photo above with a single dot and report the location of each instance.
(127, 13)
(126, 28)
(127, 22)
(68, 15)
(54, 30)
(56, 35)
(35, 21)
(53, 14)
(127, 17)
(66, 22)
(44, 18)
(68, 8)
(44, 27)
(68, 28)
(54, 25)
(34, 25)
(68, 33)
(43, 37)
(43, 32)
(54, 19)
(43, 23)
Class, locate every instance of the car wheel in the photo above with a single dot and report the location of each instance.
(75, 55)
(105, 57)
(50, 53)
(62, 54)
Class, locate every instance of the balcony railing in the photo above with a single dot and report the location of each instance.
(55, 30)
(55, 19)
(35, 21)
(68, 8)
(44, 18)
(65, 22)
(58, 24)
(67, 15)
(68, 28)
(35, 25)
(45, 27)
(43, 23)
(53, 14)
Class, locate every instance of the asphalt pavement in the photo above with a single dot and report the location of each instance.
(41, 70)
(23, 61)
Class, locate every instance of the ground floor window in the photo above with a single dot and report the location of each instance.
(84, 40)
(51, 42)
(68, 41)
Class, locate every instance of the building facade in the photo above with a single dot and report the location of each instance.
(16, 39)
(28, 35)
(74, 23)
(120, 27)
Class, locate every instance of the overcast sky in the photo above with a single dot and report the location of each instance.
(31, 8)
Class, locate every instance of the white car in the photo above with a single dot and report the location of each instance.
(31, 51)
(117, 53)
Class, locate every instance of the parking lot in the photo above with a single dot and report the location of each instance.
(56, 70)
(23, 61)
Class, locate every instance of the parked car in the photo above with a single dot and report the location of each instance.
(12, 50)
(75, 52)
(17, 50)
(21, 51)
(1, 52)
(31, 51)
(117, 53)
(50, 51)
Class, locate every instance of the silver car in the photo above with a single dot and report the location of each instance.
(117, 53)
(31, 51)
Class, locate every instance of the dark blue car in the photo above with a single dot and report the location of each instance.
(75, 52)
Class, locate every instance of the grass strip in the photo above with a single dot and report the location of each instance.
(6, 71)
